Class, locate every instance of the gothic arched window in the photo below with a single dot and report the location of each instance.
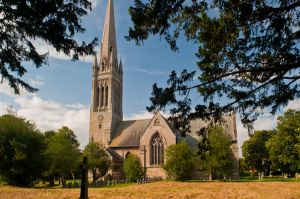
(157, 150)
(97, 98)
(106, 96)
(102, 97)
(103, 66)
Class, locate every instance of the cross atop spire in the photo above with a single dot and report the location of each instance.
(108, 49)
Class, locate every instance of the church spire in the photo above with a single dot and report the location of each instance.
(107, 85)
(108, 51)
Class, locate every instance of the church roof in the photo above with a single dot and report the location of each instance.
(193, 138)
(128, 133)
(114, 155)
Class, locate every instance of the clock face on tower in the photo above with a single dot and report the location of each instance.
(100, 117)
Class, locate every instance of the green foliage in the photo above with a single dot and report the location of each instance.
(179, 161)
(244, 169)
(22, 151)
(63, 153)
(133, 168)
(284, 145)
(255, 152)
(98, 159)
(219, 158)
(248, 55)
(53, 22)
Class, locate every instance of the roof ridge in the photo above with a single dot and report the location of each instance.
(135, 120)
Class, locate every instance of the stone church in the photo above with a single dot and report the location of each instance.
(147, 138)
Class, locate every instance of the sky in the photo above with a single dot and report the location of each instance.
(65, 86)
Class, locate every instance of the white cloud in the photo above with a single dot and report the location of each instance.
(5, 89)
(95, 3)
(47, 114)
(295, 104)
(43, 48)
(264, 122)
(50, 115)
(148, 72)
(138, 116)
(38, 82)
(143, 115)
(3, 107)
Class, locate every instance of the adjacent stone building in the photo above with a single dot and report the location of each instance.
(148, 138)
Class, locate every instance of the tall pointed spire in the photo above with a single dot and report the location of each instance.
(107, 84)
(109, 45)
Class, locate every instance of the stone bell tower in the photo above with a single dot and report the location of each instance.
(107, 84)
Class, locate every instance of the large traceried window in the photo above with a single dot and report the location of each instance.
(157, 150)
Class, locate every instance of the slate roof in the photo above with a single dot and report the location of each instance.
(193, 138)
(128, 133)
(114, 155)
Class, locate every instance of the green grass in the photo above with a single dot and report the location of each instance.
(266, 179)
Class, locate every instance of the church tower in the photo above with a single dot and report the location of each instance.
(107, 83)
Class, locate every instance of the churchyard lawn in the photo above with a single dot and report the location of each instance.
(166, 190)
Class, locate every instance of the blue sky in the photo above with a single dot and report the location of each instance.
(65, 86)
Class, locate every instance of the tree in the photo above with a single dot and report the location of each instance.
(218, 159)
(284, 145)
(69, 135)
(248, 55)
(63, 153)
(255, 152)
(133, 168)
(22, 151)
(179, 161)
(98, 159)
(54, 22)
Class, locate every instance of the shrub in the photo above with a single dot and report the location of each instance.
(179, 161)
(133, 168)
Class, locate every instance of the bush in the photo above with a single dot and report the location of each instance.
(22, 150)
(133, 168)
(179, 161)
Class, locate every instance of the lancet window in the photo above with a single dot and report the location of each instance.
(106, 96)
(102, 96)
(97, 98)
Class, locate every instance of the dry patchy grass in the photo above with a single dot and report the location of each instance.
(167, 190)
